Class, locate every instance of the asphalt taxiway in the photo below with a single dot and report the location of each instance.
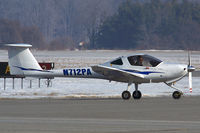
(148, 115)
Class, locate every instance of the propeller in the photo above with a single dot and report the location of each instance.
(190, 70)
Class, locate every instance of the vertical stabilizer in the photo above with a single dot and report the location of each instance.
(21, 60)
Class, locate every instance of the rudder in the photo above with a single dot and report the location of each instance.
(21, 60)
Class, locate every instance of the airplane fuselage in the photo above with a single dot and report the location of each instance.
(162, 73)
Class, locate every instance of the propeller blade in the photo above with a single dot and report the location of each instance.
(190, 70)
(190, 81)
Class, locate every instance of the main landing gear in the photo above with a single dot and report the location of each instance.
(177, 93)
(136, 94)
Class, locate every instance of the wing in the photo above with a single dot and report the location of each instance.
(116, 74)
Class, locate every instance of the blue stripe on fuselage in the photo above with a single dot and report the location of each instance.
(139, 72)
(30, 69)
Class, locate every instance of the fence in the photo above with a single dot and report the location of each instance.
(5, 73)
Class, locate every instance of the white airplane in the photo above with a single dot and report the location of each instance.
(133, 69)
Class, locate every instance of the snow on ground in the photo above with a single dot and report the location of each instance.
(69, 87)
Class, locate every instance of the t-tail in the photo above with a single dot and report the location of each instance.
(21, 60)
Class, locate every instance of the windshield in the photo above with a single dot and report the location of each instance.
(117, 62)
(143, 60)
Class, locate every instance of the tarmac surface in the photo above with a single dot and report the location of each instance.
(148, 115)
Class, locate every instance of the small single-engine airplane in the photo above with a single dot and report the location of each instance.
(137, 69)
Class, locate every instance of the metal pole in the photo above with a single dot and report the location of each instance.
(21, 83)
(4, 83)
(47, 82)
(30, 83)
(39, 83)
(13, 83)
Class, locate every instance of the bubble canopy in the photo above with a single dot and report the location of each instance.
(143, 60)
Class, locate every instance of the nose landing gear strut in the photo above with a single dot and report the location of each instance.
(177, 93)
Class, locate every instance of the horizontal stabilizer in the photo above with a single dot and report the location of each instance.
(18, 45)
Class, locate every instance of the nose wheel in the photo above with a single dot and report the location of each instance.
(176, 95)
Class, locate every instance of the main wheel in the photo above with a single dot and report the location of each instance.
(176, 94)
(137, 94)
(126, 95)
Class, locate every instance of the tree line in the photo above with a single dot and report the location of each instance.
(13, 32)
(156, 24)
(62, 24)
(101, 24)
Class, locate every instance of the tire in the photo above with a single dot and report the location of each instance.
(126, 95)
(176, 95)
(137, 94)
